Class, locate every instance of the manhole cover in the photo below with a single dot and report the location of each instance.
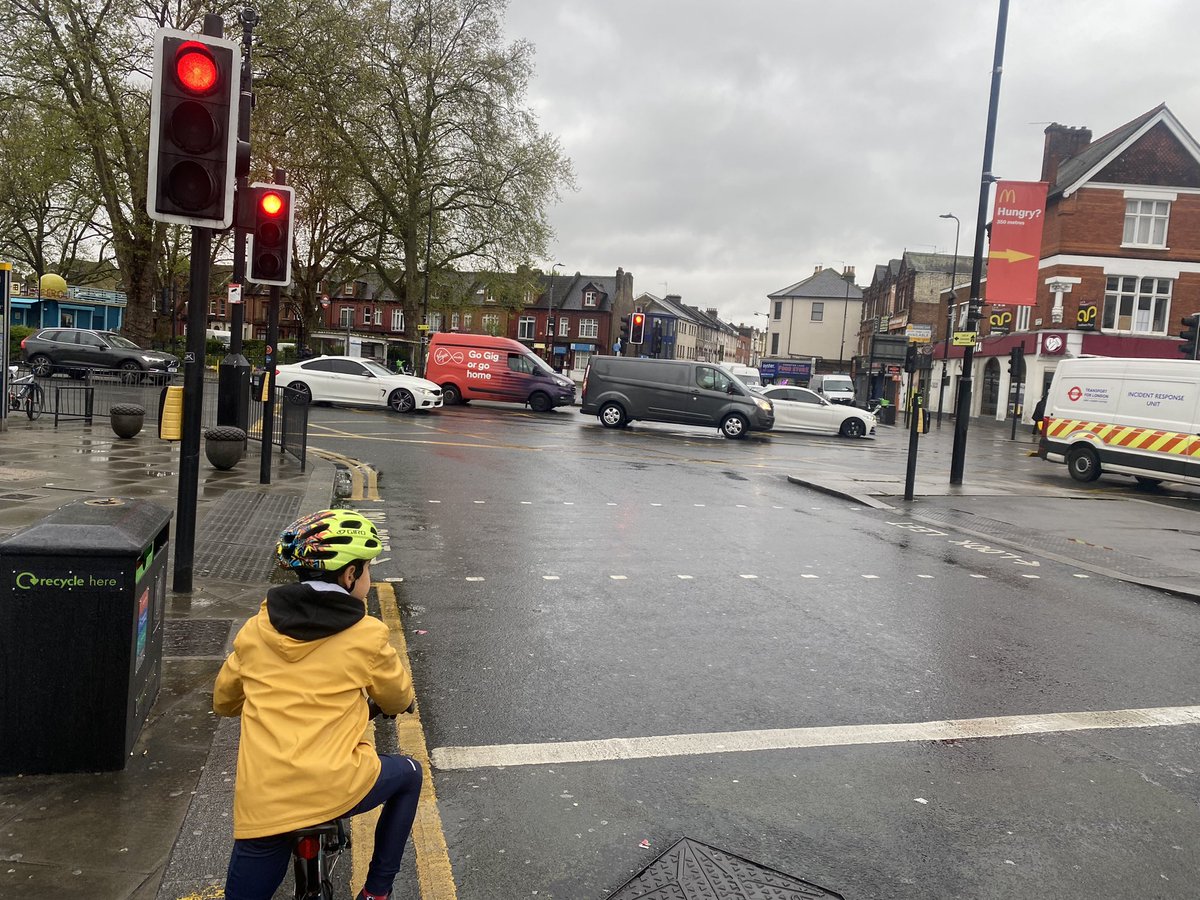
(689, 870)
(195, 637)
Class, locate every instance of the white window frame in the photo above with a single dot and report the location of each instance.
(491, 323)
(1148, 212)
(564, 326)
(454, 321)
(346, 316)
(435, 321)
(366, 319)
(379, 315)
(817, 314)
(526, 328)
(466, 321)
(1138, 320)
(589, 298)
(397, 320)
(1023, 314)
(589, 328)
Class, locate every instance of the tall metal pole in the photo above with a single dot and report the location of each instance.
(963, 409)
(270, 354)
(845, 311)
(949, 321)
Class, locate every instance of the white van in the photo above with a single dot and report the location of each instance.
(1138, 417)
(834, 388)
(747, 375)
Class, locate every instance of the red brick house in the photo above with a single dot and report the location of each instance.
(1120, 256)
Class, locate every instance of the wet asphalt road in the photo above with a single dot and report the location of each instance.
(563, 582)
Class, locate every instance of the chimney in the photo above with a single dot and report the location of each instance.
(848, 274)
(816, 270)
(674, 298)
(712, 312)
(1062, 143)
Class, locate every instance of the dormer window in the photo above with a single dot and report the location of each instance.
(1146, 220)
(589, 298)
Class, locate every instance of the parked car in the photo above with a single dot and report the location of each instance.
(77, 350)
(619, 390)
(354, 381)
(799, 409)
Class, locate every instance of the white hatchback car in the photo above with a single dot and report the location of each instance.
(799, 409)
(354, 381)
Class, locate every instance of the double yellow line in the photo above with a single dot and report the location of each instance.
(435, 878)
(364, 480)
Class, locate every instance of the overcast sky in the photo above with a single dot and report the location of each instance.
(728, 148)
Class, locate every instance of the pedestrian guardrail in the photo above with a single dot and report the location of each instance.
(73, 402)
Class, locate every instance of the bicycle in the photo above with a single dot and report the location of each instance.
(317, 848)
(24, 393)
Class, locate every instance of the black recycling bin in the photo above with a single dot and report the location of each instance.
(82, 599)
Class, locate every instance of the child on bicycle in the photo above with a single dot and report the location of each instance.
(299, 676)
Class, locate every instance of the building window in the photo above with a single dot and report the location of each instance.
(589, 328)
(775, 344)
(366, 315)
(1023, 313)
(1136, 305)
(1146, 223)
(454, 321)
(346, 316)
(589, 298)
(435, 321)
(818, 312)
(466, 321)
(564, 326)
(397, 320)
(526, 326)
(491, 323)
(379, 315)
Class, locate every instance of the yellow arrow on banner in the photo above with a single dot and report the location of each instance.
(1009, 255)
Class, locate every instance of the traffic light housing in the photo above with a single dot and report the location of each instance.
(1191, 324)
(637, 328)
(624, 330)
(550, 323)
(194, 99)
(1015, 356)
(270, 247)
(910, 358)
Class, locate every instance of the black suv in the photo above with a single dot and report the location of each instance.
(75, 350)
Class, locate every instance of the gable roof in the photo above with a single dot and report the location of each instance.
(825, 284)
(1075, 172)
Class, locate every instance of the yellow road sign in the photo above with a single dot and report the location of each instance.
(965, 338)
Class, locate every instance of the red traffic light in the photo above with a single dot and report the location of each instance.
(195, 68)
(271, 203)
(638, 319)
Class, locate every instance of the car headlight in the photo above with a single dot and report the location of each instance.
(764, 405)
(151, 359)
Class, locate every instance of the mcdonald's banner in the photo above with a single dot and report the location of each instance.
(1016, 242)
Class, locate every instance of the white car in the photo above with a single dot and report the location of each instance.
(354, 381)
(799, 409)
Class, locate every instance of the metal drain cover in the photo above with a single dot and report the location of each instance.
(689, 870)
(195, 637)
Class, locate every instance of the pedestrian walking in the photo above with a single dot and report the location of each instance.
(1039, 410)
(299, 677)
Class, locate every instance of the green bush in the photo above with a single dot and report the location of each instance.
(17, 334)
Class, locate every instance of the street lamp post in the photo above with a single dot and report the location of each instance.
(949, 320)
(845, 312)
(550, 317)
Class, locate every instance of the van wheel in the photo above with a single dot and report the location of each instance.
(540, 402)
(1144, 482)
(612, 416)
(734, 426)
(853, 428)
(1083, 463)
(451, 395)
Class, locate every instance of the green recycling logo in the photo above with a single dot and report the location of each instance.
(27, 581)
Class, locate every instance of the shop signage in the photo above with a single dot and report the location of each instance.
(1016, 242)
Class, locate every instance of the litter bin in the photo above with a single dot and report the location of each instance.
(82, 599)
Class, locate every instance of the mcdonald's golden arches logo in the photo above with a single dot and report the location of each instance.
(1008, 195)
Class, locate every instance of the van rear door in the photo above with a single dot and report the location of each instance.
(1159, 417)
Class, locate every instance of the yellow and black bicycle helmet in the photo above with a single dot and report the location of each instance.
(326, 541)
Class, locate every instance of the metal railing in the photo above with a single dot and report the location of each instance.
(289, 422)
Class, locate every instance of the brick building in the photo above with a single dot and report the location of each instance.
(1120, 257)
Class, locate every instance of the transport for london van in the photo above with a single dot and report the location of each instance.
(1137, 417)
(483, 367)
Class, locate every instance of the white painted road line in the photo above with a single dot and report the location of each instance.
(474, 578)
(803, 738)
(684, 577)
(617, 577)
(549, 578)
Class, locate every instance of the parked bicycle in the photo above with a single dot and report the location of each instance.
(24, 394)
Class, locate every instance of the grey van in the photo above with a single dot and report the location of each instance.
(620, 390)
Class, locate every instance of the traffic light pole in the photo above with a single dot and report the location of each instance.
(268, 407)
(962, 411)
(233, 375)
(193, 405)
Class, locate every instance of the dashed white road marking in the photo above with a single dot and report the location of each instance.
(435, 501)
(656, 504)
(479, 501)
(1080, 575)
(870, 576)
(975, 575)
(618, 577)
(474, 578)
(568, 503)
(697, 504)
(703, 744)
(610, 504)
(527, 503)
(808, 575)
(749, 576)
(684, 577)
(741, 506)
(394, 580)
(924, 576)
(1028, 575)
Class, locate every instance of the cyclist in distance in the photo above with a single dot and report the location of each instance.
(299, 676)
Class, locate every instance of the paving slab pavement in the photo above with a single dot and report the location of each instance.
(111, 835)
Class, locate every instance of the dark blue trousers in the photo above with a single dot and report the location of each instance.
(257, 866)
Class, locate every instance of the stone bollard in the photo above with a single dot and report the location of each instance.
(126, 419)
(224, 446)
